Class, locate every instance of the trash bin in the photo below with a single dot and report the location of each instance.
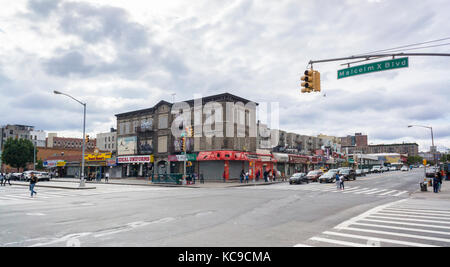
(423, 187)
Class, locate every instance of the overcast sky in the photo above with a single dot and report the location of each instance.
(121, 56)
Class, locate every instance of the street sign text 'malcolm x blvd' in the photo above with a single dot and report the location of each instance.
(374, 67)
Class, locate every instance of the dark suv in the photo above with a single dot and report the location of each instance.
(349, 174)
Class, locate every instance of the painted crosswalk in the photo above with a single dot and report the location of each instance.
(408, 222)
(357, 190)
(21, 195)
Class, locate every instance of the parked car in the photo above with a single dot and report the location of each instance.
(328, 177)
(17, 176)
(298, 178)
(404, 169)
(360, 172)
(43, 176)
(392, 168)
(430, 171)
(385, 169)
(349, 174)
(27, 175)
(313, 176)
(376, 169)
(366, 171)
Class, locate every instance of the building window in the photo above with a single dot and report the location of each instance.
(163, 122)
(162, 144)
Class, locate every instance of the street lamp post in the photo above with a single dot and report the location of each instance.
(82, 181)
(432, 139)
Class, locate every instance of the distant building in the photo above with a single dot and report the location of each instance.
(53, 141)
(410, 149)
(358, 140)
(107, 141)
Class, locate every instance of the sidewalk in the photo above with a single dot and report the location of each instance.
(444, 194)
(56, 184)
(144, 182)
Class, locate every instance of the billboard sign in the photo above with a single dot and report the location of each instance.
(127, 145)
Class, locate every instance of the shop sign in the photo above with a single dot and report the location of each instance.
(111, 162)
(98, 156)
(135, 159)
(188, 157)
(54, 163)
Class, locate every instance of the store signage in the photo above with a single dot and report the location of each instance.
(111, 162)
(135, 159)
(188, 157)
(98, 156)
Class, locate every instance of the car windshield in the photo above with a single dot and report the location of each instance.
(297, 175)
(345, 171)
(313, 173)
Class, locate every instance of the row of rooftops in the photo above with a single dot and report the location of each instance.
(219, 97)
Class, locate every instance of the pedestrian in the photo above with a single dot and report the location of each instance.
(194, 177)
(246, 177)
(274, 175)
(436, 184)
(338, 181)
(242, 176)
(202, 178)
(440, 181)
(2, 177)
(341, 184)
(33, 181)
(8, 179)
(107, 177)
(266, 173)
(258, 174)
(224, 176)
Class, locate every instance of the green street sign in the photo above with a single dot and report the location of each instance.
(374, 67)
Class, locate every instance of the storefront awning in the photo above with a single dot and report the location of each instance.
(281, 157)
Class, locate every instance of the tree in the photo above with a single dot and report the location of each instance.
(17, 152)
(39, 165)
(412, 160)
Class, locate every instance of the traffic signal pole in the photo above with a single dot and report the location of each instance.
(378, 56)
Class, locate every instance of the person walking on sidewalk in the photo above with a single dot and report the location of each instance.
(2, 178)
(242, 176)
(246, 177)
(440, 181)
(107, 177)
(202, 178)
(33, 181)
(224, 176)
(436, 184)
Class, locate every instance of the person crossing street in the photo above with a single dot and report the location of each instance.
(33, 182)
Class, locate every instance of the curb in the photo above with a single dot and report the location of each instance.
(58, 187)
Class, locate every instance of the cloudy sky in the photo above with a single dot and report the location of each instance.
(121, 56)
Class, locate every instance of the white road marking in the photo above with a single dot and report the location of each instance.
(401, 193)
(382, 213)
(408, 220)
(388, 193)
(421, 210)
(402, 228)
(337, 242)
(391, 241)
(394, 211)
(445, 240)
(406, 223)
(376, 192)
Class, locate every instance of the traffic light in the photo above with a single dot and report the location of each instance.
(87, 138)
(191, 131)
(183, 143)
(311, 81)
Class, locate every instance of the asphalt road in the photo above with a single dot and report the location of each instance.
(122, 215)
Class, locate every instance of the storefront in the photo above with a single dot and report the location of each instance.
(299, 164)
(282, 164)
(95, 165)
(177, 163)
(214, 165)
(136, 166)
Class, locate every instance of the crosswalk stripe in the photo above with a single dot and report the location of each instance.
(408, 220)
(445, 240)
(402, 228)
(359, 190)
(337, 242)
(406, 223)
(392, 241)
(401, 193)
(367, 191)
(18, 196)
(375, 192)
(388, 193)
(420, 212)
(429, 216)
